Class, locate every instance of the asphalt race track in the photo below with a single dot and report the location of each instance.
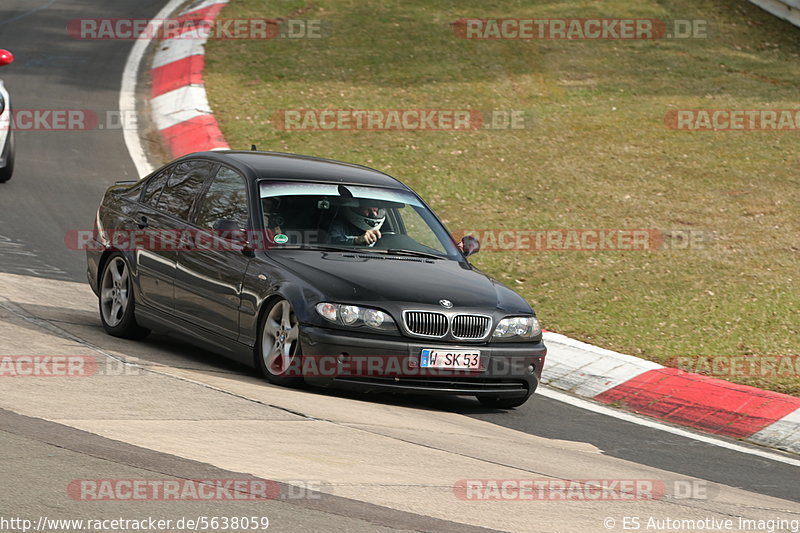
(59, 179)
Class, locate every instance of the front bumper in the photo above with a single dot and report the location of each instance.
(508, 370)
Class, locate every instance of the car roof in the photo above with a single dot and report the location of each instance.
(259, 165)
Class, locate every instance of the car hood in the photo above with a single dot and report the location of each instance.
(354, 278)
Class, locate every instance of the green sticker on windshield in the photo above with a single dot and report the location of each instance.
(280, 238)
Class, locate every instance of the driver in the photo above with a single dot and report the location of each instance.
(362, 225)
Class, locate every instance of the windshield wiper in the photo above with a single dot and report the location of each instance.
(416, 253)
(359, 250)
(313, 247)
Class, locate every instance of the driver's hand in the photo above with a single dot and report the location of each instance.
(369, 238)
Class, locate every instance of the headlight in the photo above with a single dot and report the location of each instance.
(329, 311)
(522, 327)
(354, 316)
(374, 318)
(349, 314)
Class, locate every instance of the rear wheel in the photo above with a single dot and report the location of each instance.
(117, 301)
(502, 403)
(278, 354)
(8, 155)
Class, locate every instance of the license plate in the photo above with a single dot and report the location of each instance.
(455, 359)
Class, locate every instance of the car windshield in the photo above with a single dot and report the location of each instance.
(332, 216)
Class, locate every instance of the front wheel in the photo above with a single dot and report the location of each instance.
(278, 353)
(117, 301)
(502, 403)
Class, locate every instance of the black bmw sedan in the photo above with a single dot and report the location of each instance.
(309, 269)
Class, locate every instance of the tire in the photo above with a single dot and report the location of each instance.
(7, 171)
(116, 300)
(502, 403)
(278, 354)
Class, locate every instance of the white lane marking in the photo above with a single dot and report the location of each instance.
(653, 424)
(127, 93)
(180, 105)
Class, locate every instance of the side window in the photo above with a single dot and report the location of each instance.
(226, 198)
(181, 189)
(154, 186)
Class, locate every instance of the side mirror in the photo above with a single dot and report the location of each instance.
(232, 231)
(6, 58)
(470, 245)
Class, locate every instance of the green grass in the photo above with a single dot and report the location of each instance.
(598, 154)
